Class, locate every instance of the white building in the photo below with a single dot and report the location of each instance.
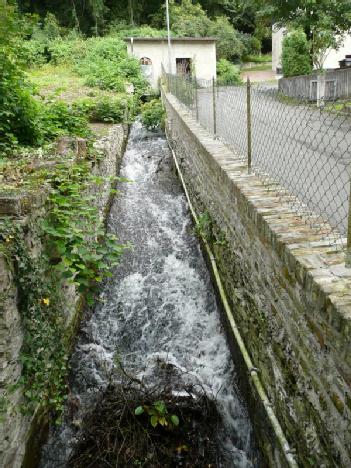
(332, 58)
(189, 55)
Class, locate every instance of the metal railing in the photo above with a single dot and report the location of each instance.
(298, 149)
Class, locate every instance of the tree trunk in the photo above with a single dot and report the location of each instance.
(131, 12)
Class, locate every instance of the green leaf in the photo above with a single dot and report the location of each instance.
(138, 411)
(160, 406)
(154, 421)
(175, 420)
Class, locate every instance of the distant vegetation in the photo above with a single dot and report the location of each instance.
(227, 73)
(81, 41)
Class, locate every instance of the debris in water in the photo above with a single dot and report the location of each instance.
(132, 425)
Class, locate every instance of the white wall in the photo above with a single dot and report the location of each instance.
(202, 54)
(332, 59)
(277, 45)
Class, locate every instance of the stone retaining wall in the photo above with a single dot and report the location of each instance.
(16, 429)
(289, 291)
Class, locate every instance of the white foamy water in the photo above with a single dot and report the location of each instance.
(159, 304)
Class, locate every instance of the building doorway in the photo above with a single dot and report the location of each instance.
(183, 66)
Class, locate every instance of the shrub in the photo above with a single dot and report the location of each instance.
(107, 65)
(227, 73)
(295, 54)
(108, 109)
(68, 50)
(59, 118)
(19, 119)
(252, 45)
(153, 114)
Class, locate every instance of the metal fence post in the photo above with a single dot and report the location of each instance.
(249, 136)
(214, 107)
(348, 243)
(196, 100)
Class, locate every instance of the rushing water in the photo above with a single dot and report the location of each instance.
(159, 304)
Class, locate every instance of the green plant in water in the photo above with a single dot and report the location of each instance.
(158, 414)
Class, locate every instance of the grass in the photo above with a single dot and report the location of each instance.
(339, 106)
(265, 58)
(60, 82)
(261, 67)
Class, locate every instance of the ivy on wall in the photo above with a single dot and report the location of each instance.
(74, 249)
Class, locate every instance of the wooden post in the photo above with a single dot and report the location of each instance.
(214, 107)
(249, 136)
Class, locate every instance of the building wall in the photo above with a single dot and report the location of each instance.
(277, 45)
(20, 433)
(333, 57)
(289, 291)
(202, 54)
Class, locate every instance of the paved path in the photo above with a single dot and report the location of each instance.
(305, 150)
(258, 75)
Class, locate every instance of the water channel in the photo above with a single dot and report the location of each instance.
(159, 304)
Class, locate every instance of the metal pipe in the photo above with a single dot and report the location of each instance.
(348, 243)
(214, 107)
(196, 100)
(168, 39)
(253, 371)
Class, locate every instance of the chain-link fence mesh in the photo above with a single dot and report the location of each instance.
(297, 148)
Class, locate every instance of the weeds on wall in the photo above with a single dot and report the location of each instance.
(79, 247)
(75, 251)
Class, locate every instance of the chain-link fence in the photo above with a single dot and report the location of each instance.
(294, 146)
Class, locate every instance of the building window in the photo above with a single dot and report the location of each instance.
(145, 61)
(146, 67)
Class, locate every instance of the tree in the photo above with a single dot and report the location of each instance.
(295, 54)
(324, 22)
(229, 44)
(7, 22)
(188, 19)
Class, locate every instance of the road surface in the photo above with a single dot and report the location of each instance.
(304, 149)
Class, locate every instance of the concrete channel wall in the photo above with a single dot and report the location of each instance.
(290, 296)
(19, 433)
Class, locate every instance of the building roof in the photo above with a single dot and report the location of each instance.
(173, 39)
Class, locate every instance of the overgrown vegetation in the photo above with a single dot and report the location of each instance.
(227, 73)
(103, 63)
(153, 114)
(76, 251)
